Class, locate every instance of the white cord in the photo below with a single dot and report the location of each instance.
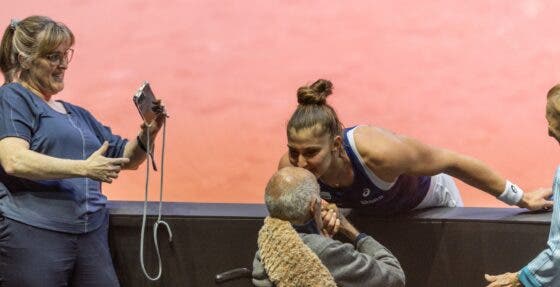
(158, 221)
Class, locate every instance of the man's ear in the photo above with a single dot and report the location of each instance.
(313, 205)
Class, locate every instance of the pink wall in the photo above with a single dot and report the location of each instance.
(469, 76)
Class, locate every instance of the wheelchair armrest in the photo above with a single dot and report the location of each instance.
(233, 274)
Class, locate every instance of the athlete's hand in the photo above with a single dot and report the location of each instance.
(537, 200)
(503, 280)
(101, 168)
(331, 218)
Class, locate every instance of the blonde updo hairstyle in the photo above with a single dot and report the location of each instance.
(28, 39)
(314, 112)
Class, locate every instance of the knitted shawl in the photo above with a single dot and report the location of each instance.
(287, 260)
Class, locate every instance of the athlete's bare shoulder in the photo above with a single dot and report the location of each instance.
(373, 143)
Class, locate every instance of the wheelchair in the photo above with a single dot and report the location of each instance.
(233, 274)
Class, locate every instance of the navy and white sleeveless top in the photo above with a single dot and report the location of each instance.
(371, 195)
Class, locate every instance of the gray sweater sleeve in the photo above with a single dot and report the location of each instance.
(370, 264)
(260, 278)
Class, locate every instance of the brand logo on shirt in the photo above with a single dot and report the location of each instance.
(366, 192)
(371, 201)
(325, 195)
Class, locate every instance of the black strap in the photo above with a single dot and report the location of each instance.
(143, 147)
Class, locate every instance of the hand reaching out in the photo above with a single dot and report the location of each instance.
(537, 200)
(503, 280)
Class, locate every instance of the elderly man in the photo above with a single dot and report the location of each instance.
(544, 270)
(294, 250)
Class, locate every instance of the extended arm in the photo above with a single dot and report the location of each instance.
(393, 155)
(18, 160)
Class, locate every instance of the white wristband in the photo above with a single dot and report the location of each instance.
(512, 194)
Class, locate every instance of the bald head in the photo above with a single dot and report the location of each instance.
(286, 179)
(289, 194)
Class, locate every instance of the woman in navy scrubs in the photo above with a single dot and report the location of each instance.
(54, 156)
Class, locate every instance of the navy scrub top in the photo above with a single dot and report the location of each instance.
(74, 205)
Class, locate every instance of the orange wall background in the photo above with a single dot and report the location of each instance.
(469, 76)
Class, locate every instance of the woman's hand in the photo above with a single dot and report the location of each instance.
(101, 168)
(153, 127)
(331, 218)
(135, 150)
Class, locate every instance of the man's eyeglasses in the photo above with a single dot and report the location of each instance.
(58, 58)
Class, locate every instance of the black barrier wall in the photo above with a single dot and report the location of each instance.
(437, 247)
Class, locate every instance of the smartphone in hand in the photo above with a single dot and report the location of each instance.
(145, 102)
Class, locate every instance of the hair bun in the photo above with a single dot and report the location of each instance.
(315, 94)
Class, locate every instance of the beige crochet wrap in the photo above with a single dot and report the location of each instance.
(287, 260)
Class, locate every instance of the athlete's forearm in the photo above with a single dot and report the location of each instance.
(477, 174)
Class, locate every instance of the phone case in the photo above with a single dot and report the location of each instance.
(144, 100)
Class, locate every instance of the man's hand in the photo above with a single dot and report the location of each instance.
(503, 280)
(537, 200)
(331, 218)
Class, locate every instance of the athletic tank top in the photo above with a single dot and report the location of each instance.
(371, 195)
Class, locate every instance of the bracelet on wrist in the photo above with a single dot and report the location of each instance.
(142, 146)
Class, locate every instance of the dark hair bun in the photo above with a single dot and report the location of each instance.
(315, 94)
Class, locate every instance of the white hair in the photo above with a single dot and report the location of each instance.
(289, 194)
